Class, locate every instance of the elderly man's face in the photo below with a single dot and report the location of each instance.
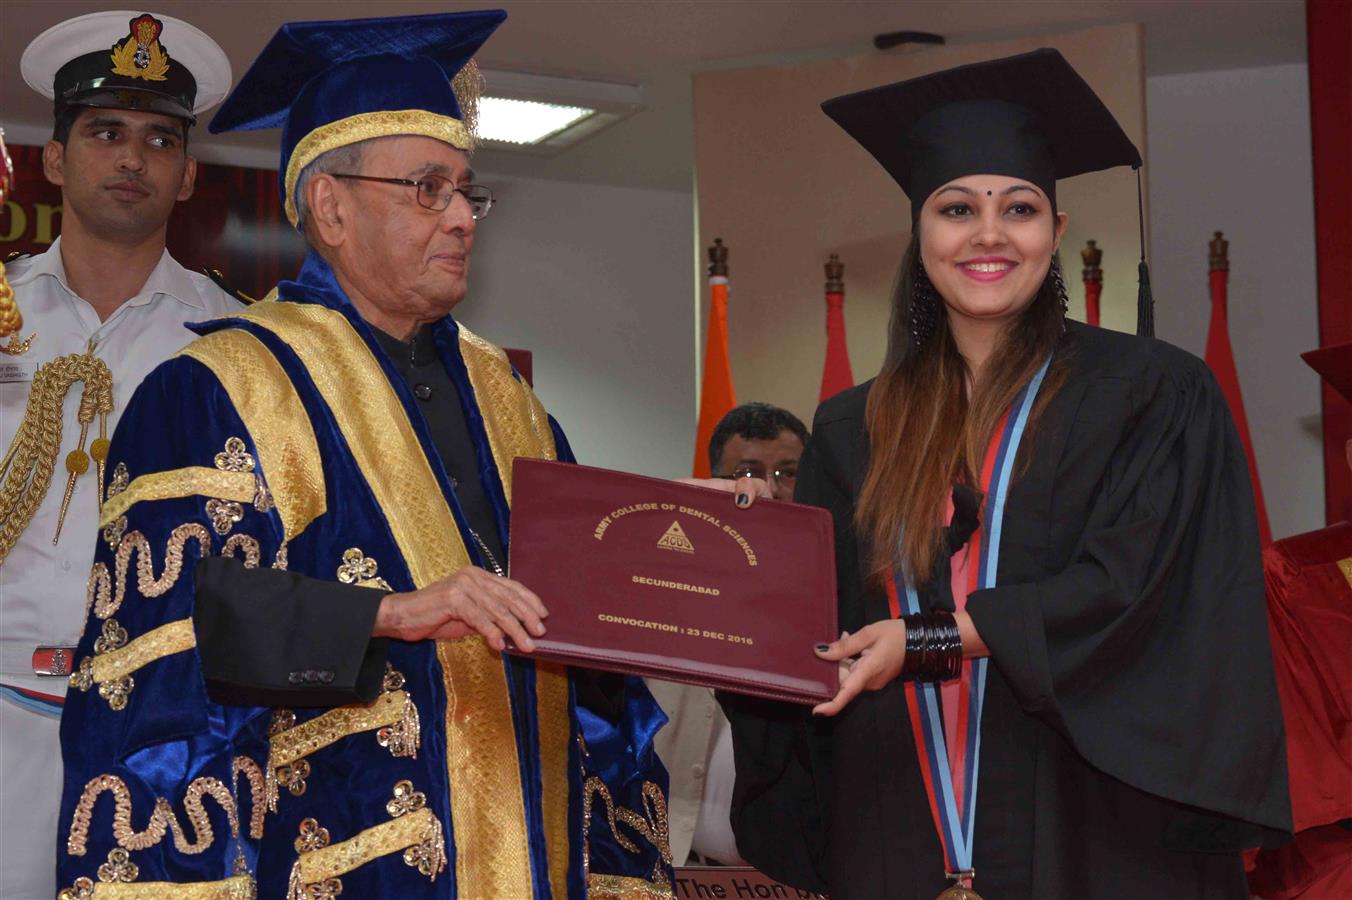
(410, 260)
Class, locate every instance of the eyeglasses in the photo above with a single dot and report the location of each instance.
(783, 474)
(436, 193)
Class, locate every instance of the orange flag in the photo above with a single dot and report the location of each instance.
(1221, 359)
(836, 372)
(716, 397)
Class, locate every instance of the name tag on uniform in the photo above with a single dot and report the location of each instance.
(16, 371)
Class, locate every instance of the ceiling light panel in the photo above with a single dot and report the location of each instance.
(543, 114)
(525, 121)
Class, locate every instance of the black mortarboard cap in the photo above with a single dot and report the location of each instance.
(1029, 116)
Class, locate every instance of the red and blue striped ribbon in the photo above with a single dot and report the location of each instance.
(954, 815)
(43, 704)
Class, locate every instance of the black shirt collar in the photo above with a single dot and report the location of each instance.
(418, 351)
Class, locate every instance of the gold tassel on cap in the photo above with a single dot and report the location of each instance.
(468, 85)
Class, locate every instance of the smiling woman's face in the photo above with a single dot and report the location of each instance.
(987, 242)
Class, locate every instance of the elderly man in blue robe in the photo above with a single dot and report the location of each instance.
(292, 679)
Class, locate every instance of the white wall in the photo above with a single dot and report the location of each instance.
(1230, 151)
(596, 281)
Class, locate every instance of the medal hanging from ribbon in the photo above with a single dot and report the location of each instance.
(950, 773)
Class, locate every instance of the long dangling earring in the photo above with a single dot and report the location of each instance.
(1059, 281)
(925, 308)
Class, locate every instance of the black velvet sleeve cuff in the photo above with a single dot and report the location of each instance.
(267, 637)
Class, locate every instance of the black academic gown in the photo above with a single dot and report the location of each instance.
(1131, 738)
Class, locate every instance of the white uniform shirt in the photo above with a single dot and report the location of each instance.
(43, 587)
(696, 747)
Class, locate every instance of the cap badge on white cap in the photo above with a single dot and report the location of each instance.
(140, 55)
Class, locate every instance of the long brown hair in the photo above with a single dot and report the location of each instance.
(926, 433)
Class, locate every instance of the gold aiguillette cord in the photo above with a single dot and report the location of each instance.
(31, 458)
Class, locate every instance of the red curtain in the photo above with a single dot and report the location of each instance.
(1328, 28)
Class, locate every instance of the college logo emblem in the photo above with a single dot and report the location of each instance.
(675, 539)
(140, 55)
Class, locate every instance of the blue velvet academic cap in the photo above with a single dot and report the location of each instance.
(330, 84)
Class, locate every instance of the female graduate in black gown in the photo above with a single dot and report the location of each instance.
(1086, 492)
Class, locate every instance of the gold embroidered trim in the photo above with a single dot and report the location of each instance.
(487, 802)
(517, 425)
(624, 887)
(82, 889)
(258, 807)
(266, 401)
(240, 887)
(419, 829)
(166, 640)
(224, 514)
(187, 482)
(112, 638)
(235, 457)
(359, 569)
(119, 867)
(304, 739)
(118, 483)
(363, 127)
(515, 421)
(101, 597)
(113, 531)
(245, 543)
(1345, 566)
(161, 820)
(555, 735)
(652, 825)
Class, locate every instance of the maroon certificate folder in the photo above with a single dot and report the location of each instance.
(651, 577)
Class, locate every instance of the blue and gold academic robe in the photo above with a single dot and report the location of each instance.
(284, 438)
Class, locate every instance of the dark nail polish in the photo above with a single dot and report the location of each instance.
(743, 500)
(822, 648)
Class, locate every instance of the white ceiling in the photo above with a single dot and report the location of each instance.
(659, 44)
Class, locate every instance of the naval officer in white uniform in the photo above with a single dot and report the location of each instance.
(109, 299)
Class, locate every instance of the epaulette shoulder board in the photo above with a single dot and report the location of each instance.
(216, 276)
(17, 254)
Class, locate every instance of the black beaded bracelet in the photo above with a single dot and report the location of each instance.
(933, 647)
